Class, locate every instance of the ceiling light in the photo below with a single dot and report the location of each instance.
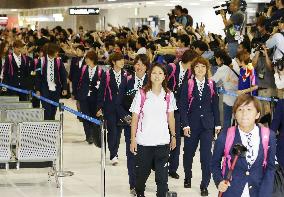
(111, 0)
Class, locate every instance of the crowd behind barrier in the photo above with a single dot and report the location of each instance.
(187, 65)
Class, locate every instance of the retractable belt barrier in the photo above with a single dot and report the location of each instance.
(268, 99)
(29, 92)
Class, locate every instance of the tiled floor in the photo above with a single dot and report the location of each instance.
(84, 161)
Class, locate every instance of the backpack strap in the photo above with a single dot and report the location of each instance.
(25, 58)
(11, 70)
(107, 86)
(168, 98)
(141, 113)
(189, 91)
(81, 76)
(100, 71)
(211, 86)
(35, 63)
(43, 64)
(265, 134)
(58, 62)
(172, 75)
(228, 144)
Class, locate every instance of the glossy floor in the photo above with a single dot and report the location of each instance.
(84, 161)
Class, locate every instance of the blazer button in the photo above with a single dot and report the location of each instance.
(247, 173)
(200, 107)
(201, 116)
(250, 187)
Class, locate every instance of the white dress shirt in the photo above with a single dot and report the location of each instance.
(81, 61)
(139, 81)
(18, 59)
(153, 128)
(255, 144)
(117, 77)
(50, 71)
(92, 72)
(181, 74)
(200, 85)
(276, 41)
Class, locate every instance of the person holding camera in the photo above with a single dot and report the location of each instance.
(276, 42)
(233, 26)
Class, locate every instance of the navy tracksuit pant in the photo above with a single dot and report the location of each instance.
(190, 146)
(130, 157)
(50, 110)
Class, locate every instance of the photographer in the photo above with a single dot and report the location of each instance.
(233, 26)
(279, 13)
(263, 66)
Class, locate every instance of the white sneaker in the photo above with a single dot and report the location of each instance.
(114, 161)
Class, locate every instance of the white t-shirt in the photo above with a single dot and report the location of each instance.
(229, 80)
(142, 50)
(153, 122)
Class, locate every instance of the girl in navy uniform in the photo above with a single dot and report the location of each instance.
(51, 82)
(127, 90)
(75, 69)
(177, 74)
(199, 116)
(16, 70)
(108, 92)
(88, 85)
(253, 175)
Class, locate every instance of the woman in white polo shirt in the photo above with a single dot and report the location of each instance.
(152, 117)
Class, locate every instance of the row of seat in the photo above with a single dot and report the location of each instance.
(25, 136)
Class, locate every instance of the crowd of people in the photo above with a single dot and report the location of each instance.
(164, 89)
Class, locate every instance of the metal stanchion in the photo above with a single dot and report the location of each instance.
(103, 158)
(62, 173)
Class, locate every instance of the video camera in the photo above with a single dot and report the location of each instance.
(226, 7)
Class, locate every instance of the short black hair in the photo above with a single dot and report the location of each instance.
(81, 47)
(184, 39)
(178, 7)
(185, 11)
(200, 44)
(223, 55)
(44, 32)
(142, 41)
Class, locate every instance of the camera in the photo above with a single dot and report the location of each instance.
(226, 7)
(258, 46)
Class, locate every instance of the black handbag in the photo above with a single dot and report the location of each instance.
(278, 189)
(126, 104)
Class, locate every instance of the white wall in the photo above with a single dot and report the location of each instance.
(120, 16)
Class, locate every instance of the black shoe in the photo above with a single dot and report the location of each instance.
(174, 175)
(187, 183)
(204, 191)
(90, 140)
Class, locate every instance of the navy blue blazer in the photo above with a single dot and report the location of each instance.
(125, 87)
(75, 73)
(176, 90)
(60, 81)
(204, 111)
(278, 118)
(106, 103)
(15, 76)
(85, 86)
(260, 182)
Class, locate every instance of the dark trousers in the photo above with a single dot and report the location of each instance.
(146, 156)
(190, 146)
(50, 110)
(113, 135)
(174, 155)
(130, 157)
(88, 107)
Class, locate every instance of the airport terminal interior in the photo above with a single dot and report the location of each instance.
(118, 98)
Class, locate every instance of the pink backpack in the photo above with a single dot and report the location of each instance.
(108, 84)
(265, 132)
(143, 99)
(11, 70)
(191, 86)
(83, 72)
(172, 75)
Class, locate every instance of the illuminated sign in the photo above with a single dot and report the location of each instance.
(84, 11)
